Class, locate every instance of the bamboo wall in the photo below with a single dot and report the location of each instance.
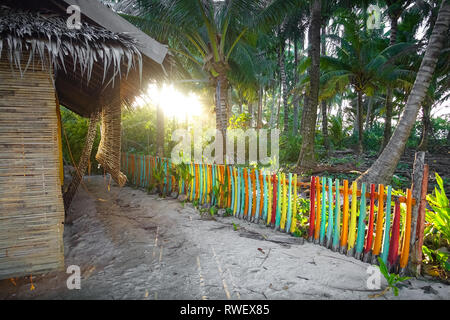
(364, 223)
(31, 206)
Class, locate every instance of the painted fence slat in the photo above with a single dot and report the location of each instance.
(318, 211)
(352, 227)
(361, 224)
(269, 200)
(284, 204)
(407, 237)
(279, 201)
(337, 217)
(369, 237)
(289, 210)
(344, 232)
(258, 196)
(274, 200)
(393, 247)
(294, 207)
(330, 213)
(387, 227)
(323, 212)
(312, 208)
(380, 222)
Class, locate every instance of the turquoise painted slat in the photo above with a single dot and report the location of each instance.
(279, 200)
(361, 224)
(387, 226)
(323, 211)
(258, 195)
(337, 217)
(289, 210)
(265, 197)
(330, 213)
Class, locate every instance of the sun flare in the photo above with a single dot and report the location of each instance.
(175, 104)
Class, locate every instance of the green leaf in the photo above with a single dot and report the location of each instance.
(395, 291)
(383, 268)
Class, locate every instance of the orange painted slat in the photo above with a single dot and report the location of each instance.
(380, 221)
(407, 236)
(318, 203)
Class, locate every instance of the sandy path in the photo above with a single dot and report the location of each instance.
(131, 245)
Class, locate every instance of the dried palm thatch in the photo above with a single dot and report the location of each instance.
(47, 37)
(108, 154)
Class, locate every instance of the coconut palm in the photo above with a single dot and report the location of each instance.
(210, 36)
(383, 168)
(364, 62)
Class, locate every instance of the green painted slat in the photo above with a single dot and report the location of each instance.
(289, 211)
(330, 213)
(279, 200)
(337, 217)
(387, 227)
(361, 223)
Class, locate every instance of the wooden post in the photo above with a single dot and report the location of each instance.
(419, 191)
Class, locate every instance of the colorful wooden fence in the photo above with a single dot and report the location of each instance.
(364, 223)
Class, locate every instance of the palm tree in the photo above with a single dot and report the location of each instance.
(383, 168)
(308, 129)
(211, 36)
(365, 63)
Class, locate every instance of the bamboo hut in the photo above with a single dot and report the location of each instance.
(92, 71)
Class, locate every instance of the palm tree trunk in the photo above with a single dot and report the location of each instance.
(306, 158)
(369, 111)
(296, 97)
(387, 119)
(426, 126)
(260, 106)
(326, 140)
(284, 86)
(221, 98)
(389, 106)
(383, 168)
(272, 108)
(360, 122)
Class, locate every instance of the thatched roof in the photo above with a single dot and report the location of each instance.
(85, 61)
(25, 34)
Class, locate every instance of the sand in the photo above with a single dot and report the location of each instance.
(132, 245)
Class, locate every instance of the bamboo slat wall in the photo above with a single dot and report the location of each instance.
(361, 223)
(31, 206)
